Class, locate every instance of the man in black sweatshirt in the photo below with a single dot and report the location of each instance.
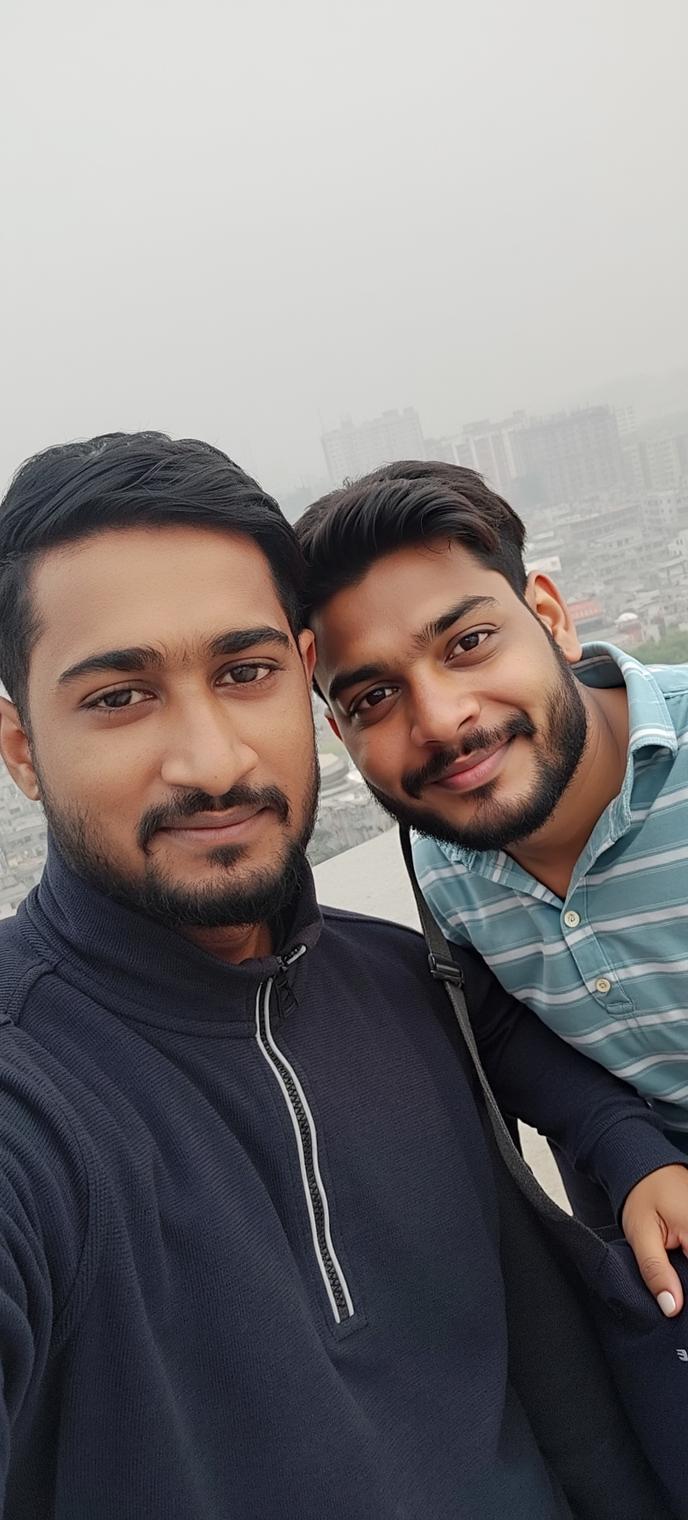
(249, 1227)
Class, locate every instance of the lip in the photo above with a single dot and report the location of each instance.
(205, 830)
(477, 770)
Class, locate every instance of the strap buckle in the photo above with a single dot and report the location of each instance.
(444, 971)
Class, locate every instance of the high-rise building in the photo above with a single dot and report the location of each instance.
(666, 461)
(353, 449)
(486, 447)
(571, 455)
(634, 463)
(625, 420)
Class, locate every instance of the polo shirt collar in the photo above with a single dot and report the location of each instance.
(649, 720)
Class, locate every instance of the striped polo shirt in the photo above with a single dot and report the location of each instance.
(606, 968)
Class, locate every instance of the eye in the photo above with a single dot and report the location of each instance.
(370, 700)
(117, 699)
(468, 642)
(246, 675)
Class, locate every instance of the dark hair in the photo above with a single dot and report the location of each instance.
(124, 480)
(411, 502)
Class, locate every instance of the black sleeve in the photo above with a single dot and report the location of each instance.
(600, 1123)
(45, 1208)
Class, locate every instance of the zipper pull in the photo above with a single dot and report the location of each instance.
(285, 992)
(292, 955)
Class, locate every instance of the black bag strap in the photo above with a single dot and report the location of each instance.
(445, 969)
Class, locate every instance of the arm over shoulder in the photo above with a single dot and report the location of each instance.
(600, 1123)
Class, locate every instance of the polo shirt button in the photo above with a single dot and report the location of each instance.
(603, 985)
(571, 919)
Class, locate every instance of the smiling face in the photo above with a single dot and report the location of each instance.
(455, 701)
(171, 727)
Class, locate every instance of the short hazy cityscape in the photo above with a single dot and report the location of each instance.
(603, 490)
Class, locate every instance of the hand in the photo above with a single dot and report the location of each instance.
(654, 1221)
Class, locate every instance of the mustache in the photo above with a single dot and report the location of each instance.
(518, 727)
(189, 803)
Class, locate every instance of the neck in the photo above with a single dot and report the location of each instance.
(246, 942)
(551, 854)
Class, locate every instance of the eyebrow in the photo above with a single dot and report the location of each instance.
(145, 657)
(440, 625)
(352, 678)
(425, 636)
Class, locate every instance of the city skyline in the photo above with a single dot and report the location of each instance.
(649, 400)
(501, 447)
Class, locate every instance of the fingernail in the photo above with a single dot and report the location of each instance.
(667, 1303)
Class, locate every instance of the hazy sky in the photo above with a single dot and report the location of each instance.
(235, 219)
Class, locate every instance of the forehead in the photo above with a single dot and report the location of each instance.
(143, 586)
(398, 596)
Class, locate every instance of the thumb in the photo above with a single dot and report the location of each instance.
(647, 1244)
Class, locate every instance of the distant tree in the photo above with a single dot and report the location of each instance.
(671, 650)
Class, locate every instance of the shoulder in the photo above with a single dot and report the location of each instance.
(446, 882)
(12, 935)
(396, 958)
(388, 952)
(368, 931)
(37, 1123)
(24, 959)
(393, 959)
(437, 862)
(392, 949)
(433, 855)
(46, 1176)
(43, 1147)
(671, 681)
(436, 857)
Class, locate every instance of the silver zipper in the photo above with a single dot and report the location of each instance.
(306, 1137)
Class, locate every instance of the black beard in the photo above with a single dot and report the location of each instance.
(495, 827)
(263, 898)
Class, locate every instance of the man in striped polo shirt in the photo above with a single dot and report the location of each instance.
(548, 783)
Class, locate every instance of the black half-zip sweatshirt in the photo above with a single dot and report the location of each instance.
(249, 1254)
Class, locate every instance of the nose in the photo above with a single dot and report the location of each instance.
(440, 709)
(205, 752)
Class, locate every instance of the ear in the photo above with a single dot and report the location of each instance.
(306, 642)
(547, 602)
(16, 750)
(309, 655)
